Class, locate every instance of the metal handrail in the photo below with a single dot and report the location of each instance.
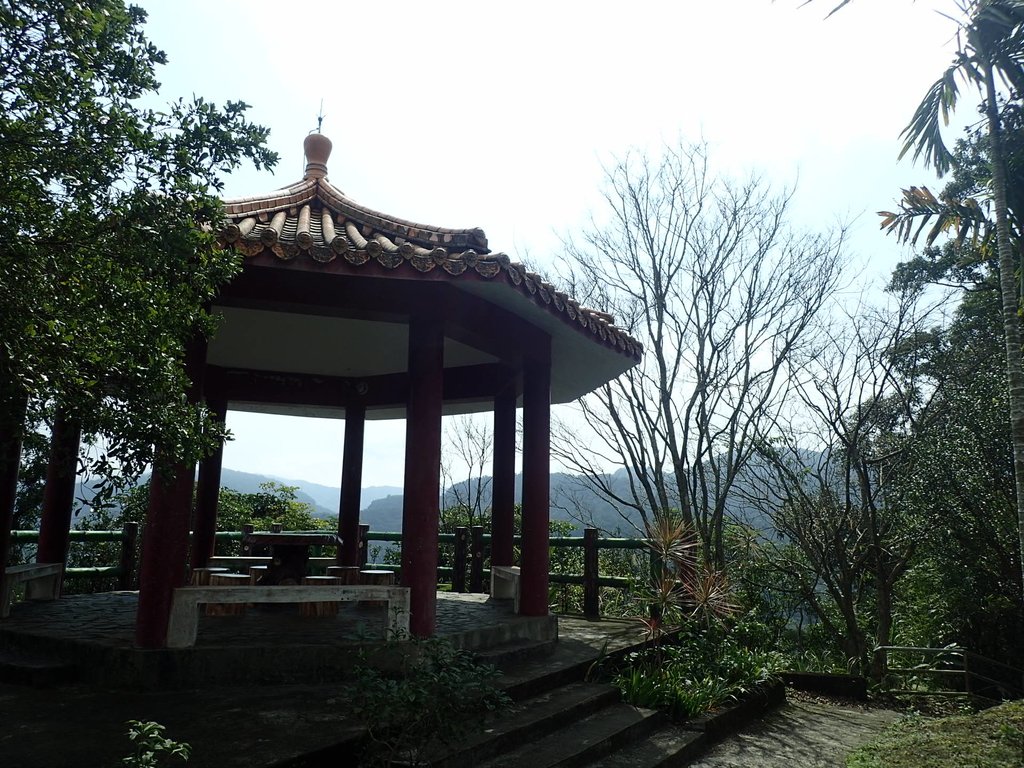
(1012, 683)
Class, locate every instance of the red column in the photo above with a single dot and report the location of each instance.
(423, 472)
(165, 537)
(351, 484)
(12, 425)
(59, 492)
(164, 551)
(503, 472)
(533, 585)
(204, 529)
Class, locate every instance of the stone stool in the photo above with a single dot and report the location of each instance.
(319, 608)
(377, 578)
(201, 576)
(349, 574)
(256, 572)
(227, 580)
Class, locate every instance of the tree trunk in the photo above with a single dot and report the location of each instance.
(1008, 291)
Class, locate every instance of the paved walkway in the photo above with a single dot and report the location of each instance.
(799, 734)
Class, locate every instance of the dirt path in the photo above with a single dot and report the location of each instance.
(800, 734)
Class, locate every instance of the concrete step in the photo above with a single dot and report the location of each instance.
(530, 720)
(582, 742)
(516, 652)
(669, 747)
(532, 675)
(18, 667)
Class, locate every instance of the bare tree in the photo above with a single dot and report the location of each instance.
(467, 452)
(709, 276)
(825, 482)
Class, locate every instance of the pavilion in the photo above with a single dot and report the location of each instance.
(346, 312)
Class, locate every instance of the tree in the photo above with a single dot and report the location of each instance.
(826, 481)
(107, 212)
(273, 503)
(468, 445)
(707, 274)
(990, 53)
(964, 586)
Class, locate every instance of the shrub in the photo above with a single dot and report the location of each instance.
(700, 671)
(151, 746)
(437, 695)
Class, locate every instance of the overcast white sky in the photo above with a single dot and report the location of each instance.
(502, 116)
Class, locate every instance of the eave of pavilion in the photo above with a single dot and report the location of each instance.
(303, 244)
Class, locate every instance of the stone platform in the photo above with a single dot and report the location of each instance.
(268, 645)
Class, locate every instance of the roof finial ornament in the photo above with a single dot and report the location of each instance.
(318, 149)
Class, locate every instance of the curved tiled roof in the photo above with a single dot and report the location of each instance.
(316, 221)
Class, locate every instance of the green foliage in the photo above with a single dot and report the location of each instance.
(152, 748)
(437, 696)
(273, 503)
(106, 209)
(699, 657)
(703, 669)
(990, 739)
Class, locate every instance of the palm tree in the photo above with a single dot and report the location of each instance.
(991, 47)
(990, 53)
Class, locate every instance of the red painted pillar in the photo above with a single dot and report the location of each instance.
(503, 472)
(165, 537)
(351, 484)
(423, 471)
(533, 584)
(164, 551)
(12, 426)
(59, 493)
(204, 528)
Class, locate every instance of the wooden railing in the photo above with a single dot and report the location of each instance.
(466, 574)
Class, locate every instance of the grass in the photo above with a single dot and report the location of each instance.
(990, 739)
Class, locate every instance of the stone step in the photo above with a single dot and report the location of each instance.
(516, 652)
(530, 720)
(582, 742)
(670, 747)
(19, 667)
(529, 676)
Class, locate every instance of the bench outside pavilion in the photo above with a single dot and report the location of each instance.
(341, 311)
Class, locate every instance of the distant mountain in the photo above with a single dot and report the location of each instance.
(572, 500)
(328, 497)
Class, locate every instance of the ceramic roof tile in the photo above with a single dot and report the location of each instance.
(299, 222)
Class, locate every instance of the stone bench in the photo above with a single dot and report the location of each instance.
(42, 582)
(505, 584)
(184, 621)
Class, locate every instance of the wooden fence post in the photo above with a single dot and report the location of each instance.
(591, 599)
(459, 563)
(276, 527)
(476, 564)
(657, 575)
(129, 542)
(364, 546)
(246, 547)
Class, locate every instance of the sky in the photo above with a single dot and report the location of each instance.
(504, 116)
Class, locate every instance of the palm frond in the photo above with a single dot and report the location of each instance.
(919, 207)
(924, 133)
